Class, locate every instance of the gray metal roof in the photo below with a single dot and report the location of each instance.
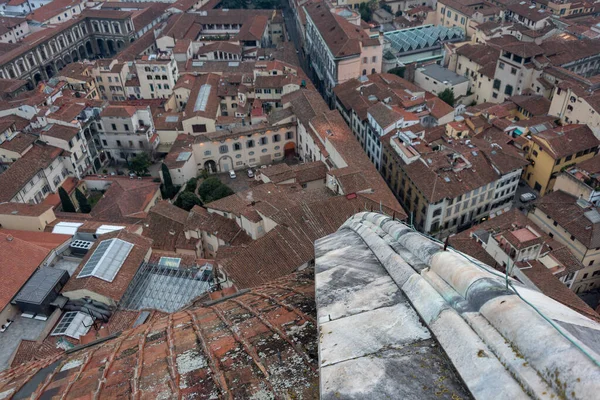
(442, 74)
(40, 285)
(165, 288)
(422, 37)
(399, 317)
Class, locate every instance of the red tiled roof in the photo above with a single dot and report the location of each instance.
(28, 210)
(31, 350)
(115, 289)
(52, 9)
(164, 225)
(260, 344)
(566, 140)
(549, 284)
(124, 198)
(341, 36)
(25, 168)
(19, 260)
(46, 240)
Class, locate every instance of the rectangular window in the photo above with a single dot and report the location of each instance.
(114, 127)
(199, 128)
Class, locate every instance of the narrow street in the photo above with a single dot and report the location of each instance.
(295, 36)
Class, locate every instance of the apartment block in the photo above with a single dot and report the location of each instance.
(157, 74)
(111, 75)
(126, 130)
(554, 149)
(465, 14)
(573, 222)
(35, 175)
(339, 51)
(377, 104)
(13, 30)
(448, 179)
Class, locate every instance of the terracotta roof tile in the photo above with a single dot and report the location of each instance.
(261, 343)
(566, 140)
(31, 350)
(535, 105)
(549, 284)
(115, 289)
(341, 36)
(124, 198)
(164, 225)
(20, 259)
(25, 168)
(45, 240)
(223, 228)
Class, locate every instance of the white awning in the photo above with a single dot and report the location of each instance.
(108, 228)
(66, 228)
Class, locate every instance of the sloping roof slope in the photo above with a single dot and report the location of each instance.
(260, 344)
(400, 317)
(18, 261)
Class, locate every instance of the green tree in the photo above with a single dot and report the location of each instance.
(169, 190)
(265, 4)
(65, 200)
(221, 191)
(387, 8)
(447, 96)
(365, 12)
(140, 164)
(84, 206)
(232, 4)
(190, 186)
(213, 189)
(398, 71)
(207, 187)
(399, 13)
(187, 200)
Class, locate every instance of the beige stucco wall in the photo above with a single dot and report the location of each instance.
(26, 223)
(353, 67)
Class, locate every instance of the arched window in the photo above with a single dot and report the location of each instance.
(164, 77)
(237, 146)
(373, 71)
(364, 72)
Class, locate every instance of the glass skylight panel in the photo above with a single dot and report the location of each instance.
(93, 261)
(107, 259)
(171, 262)
(73, 324)
(202, 99)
